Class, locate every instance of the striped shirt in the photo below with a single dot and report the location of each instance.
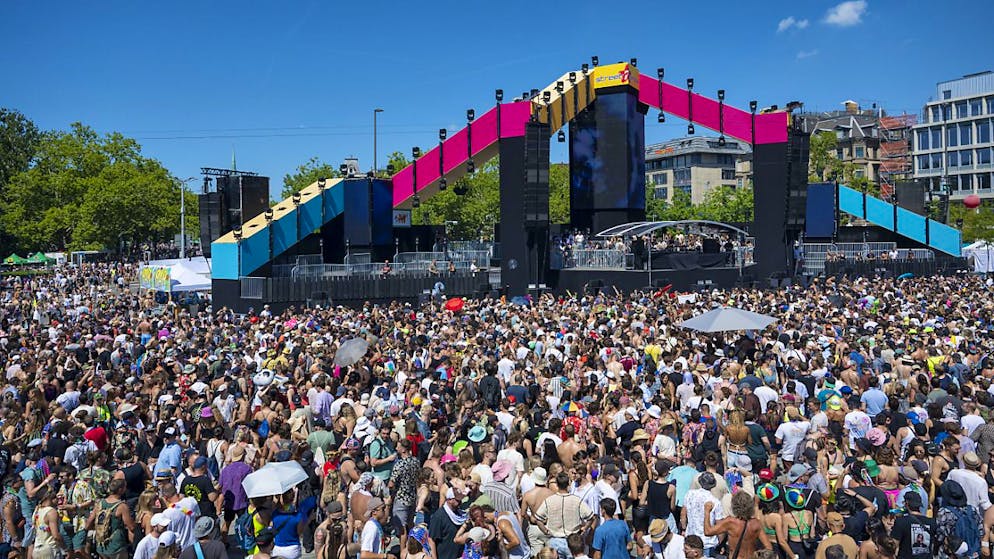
(502, 496)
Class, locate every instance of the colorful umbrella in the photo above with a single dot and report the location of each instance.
(454, 304)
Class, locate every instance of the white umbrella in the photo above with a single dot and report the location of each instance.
(275, 478)
(727, 319)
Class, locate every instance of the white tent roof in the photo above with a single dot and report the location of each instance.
(185, 278)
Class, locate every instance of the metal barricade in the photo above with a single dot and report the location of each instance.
(597, 258)
(253, 288)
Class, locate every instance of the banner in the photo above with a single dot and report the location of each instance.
(145, 276)
(402, 218)
(155, 277)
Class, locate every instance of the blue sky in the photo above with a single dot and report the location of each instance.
(280, 82)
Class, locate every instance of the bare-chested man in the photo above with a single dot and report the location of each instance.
(538, 534)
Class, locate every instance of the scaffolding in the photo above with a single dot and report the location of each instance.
(895, 152)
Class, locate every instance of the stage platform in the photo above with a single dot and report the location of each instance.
(576, 280)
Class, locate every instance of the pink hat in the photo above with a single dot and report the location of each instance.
(501, 469)
(446, 458)
(206, 411)
(876, 436)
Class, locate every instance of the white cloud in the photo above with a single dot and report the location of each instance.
(801, 55)
(789, 21)
(847, 13)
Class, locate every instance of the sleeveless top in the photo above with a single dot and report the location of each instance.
(134, 481)
(522, 551)
(43, 536)
(659, 501)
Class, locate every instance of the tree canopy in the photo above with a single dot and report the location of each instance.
(306, 175)
(724, 204)
(82, 190)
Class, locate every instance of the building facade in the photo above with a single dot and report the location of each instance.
(953, 140)
(857, 132)
(696, 165)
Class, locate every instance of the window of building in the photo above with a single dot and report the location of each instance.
(666, 163)
(681, 176)
(923, 161)
(947, 112)
(936, 134)
(965, 134)
(976, 107)
(965, 182)
(662, 193)
(860, 152)
(739, 183)
(686, 189)
(838, 153)
(962, 111)
(983, 132)
(984, 156)
(660, 178)
(936, 114)
(923, 139)
(695, 159)
(952, 159)
(859, 173)
(947, 93)
(952, 136)
(966, 158)
(728, 174)
(990, 105)
(936, 160)
(681, 161)
(984, 181)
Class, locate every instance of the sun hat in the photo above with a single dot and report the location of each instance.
(768, 492)
(876, 436)
(658, 530)
(639, 435)
(458, 446)
(477, 433)
(203, 527)
(540, 476)
(501, 469)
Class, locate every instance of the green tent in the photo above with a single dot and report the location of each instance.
(40, 258)
(15, 260)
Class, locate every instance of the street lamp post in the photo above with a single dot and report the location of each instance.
(182, 216)
(375, 112)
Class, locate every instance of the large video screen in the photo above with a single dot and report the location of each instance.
(607, 143)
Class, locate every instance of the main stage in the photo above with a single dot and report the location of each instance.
(580, 280)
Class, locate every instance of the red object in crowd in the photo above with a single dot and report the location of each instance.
(972, 201)
(454, 304)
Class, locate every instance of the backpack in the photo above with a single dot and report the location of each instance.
(245, 530)
(967, 522)
(213, 468)
(104, 524)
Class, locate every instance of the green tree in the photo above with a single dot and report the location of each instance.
(306, 175)
(677, 208)
(19, 139)
(978, 224)
(727, 205)
(84, 190)
(398, 161)
(823, 161)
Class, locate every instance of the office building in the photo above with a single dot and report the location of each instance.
(953, 141)
(696, 165)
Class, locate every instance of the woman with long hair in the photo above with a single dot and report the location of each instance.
(638, 488)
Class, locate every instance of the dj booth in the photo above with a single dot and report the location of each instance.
(690, 260)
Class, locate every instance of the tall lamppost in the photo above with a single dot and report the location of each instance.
(375, 112)
(182, 215)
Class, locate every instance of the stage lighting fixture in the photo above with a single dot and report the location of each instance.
(721, 94)
(442, 184)
(321, 182)
(753, 105)
(584, 68)
(370, 174)
(390, 168)
(660, 73)
(572, 77)
(416, 152)
(560, 86)
(269, 214)
(690, 83)
(634, 62)
(690, 129)
(546, 96)
(442, 133)
(237, 232)
(721, 141)
(661, 118)
(594, 61)
(296, 198)
(207, 184)
(561, 136)
(499, 94)
(343, 169)
(470, 115)
(470, 166)
(416, 201)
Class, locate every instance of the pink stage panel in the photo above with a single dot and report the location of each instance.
(514, 116)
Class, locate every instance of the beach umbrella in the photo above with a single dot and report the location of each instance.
(454, 304)
(351, 351)
(728, 319)
(906, 275)
(275, 478)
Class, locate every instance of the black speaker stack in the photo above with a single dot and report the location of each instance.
(536, 187)
(237, 199)
(797, 176)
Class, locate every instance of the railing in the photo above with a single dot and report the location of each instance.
(355, 258)
(253, 288)
(596, 258)
(816, 254)
(405, 269)
(415, 256)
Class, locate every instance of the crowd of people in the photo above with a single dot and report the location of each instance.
(856, 426)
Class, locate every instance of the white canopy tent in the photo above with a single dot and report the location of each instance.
(186, 274)
(980, 253)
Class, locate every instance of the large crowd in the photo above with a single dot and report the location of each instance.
(856, 426)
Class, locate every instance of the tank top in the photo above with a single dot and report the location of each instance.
(134, 480)
(659, 501)
(522, 551)
(43, 536)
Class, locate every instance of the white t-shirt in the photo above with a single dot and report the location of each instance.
(791, 434)
(971, 422)
(372, 537)
(147, 547)
(765, 394)
(183, 515)
(857, 423)
(485, 473)
(607, 492)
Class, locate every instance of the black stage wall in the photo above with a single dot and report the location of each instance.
(769, 217)
(626, 281)
(515, 261)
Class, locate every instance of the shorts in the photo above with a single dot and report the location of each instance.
(75, 540)
(739, 459)
(231, 514)
(402, 515)
(286, 552)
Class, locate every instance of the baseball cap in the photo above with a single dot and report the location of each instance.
(167, 539)
(159, 519)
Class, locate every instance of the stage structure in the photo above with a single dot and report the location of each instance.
(604, 109)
